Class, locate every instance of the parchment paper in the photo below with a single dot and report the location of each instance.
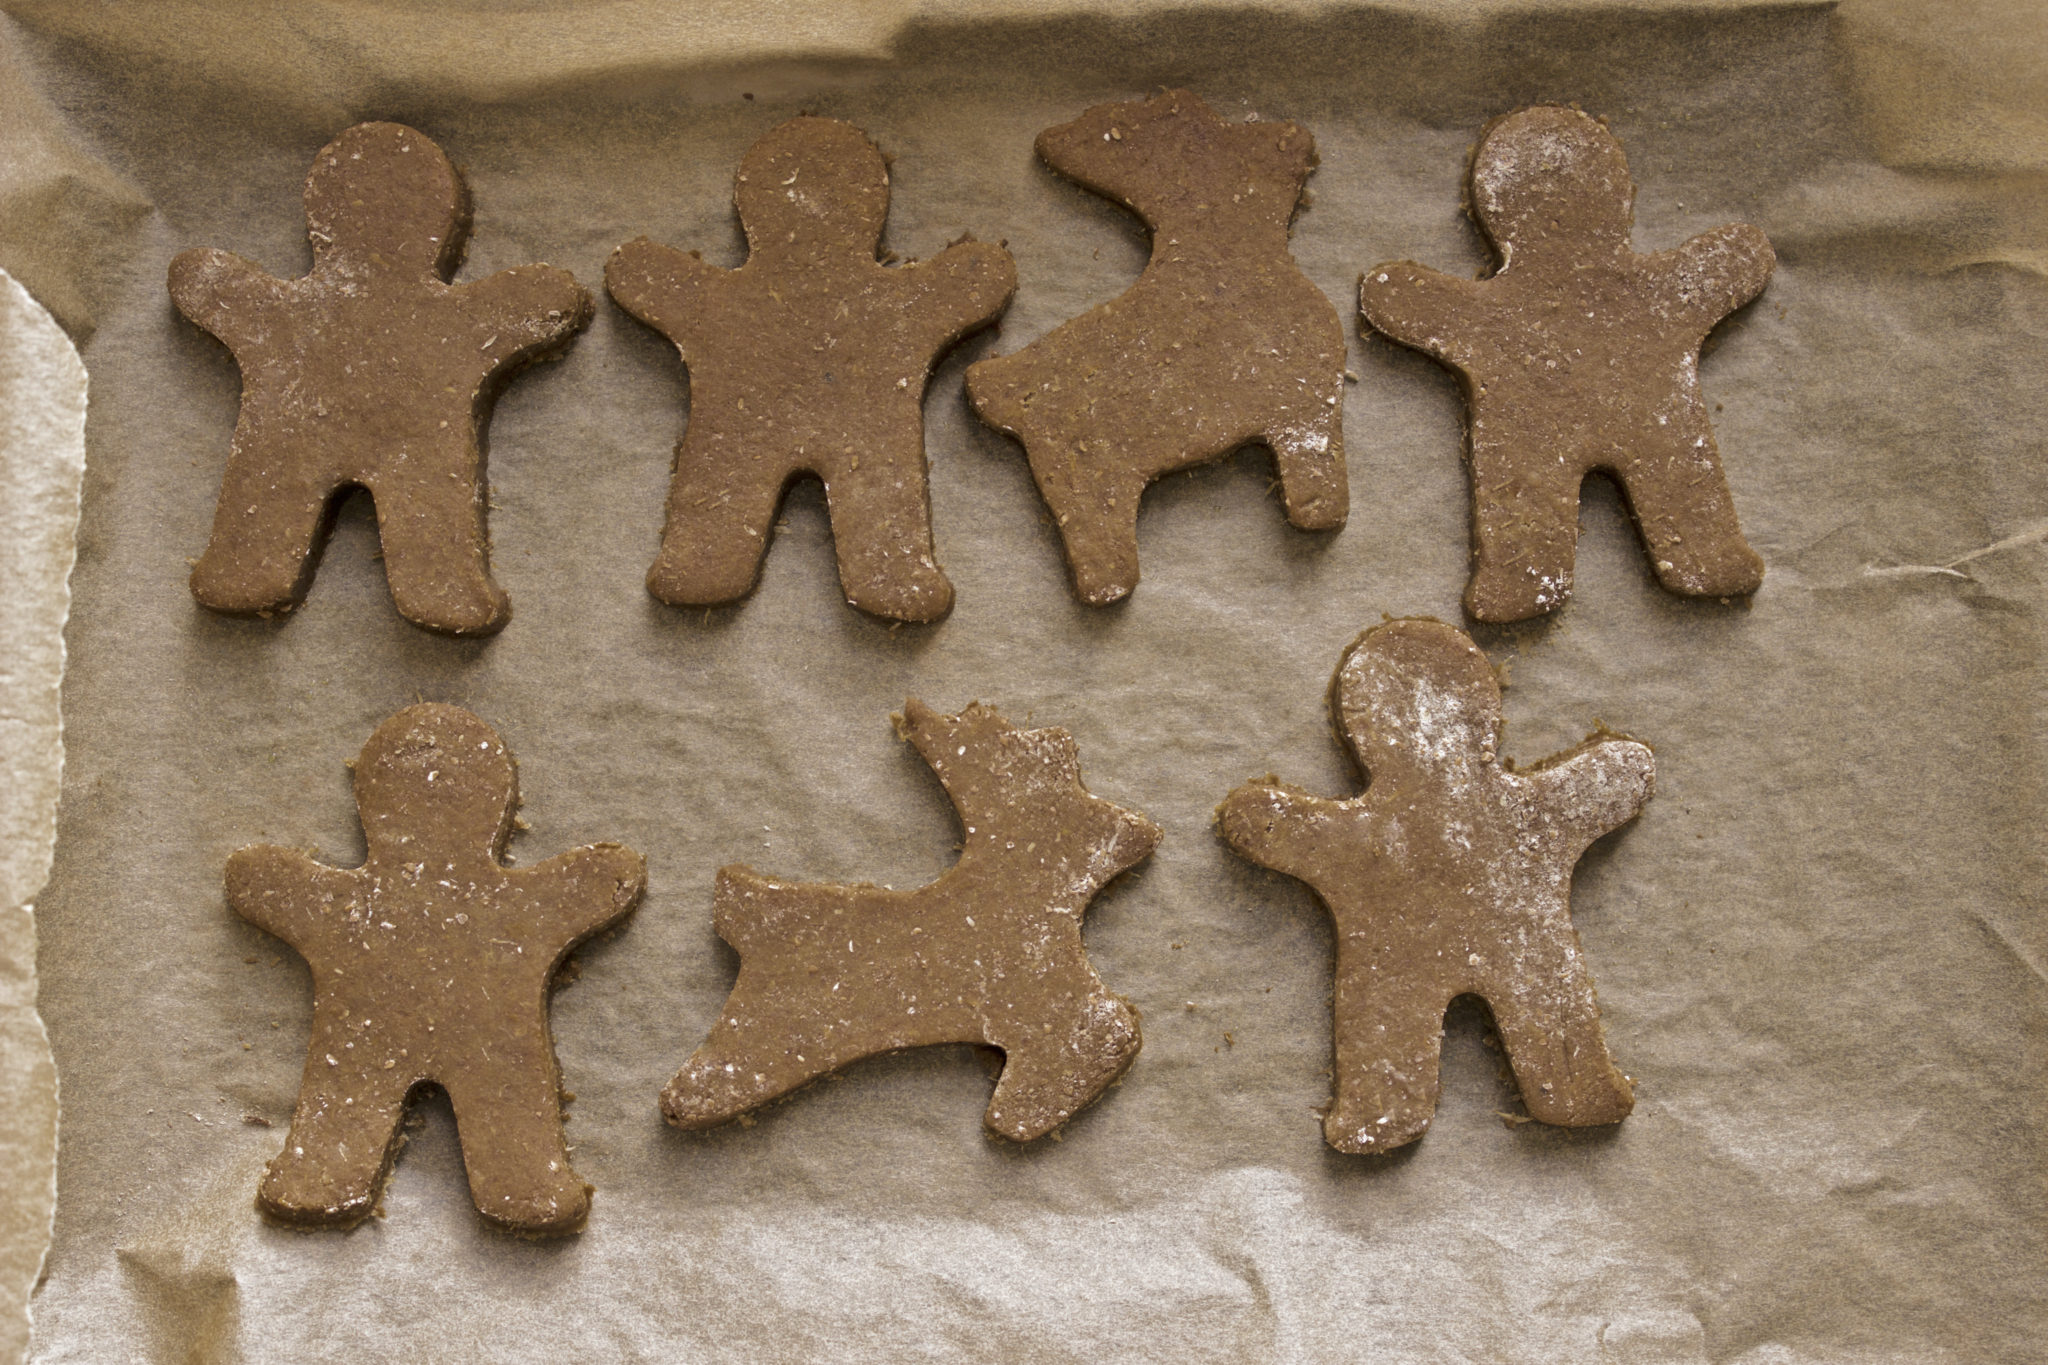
(1820, 951)
(42, 461)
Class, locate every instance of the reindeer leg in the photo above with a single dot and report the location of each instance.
(1052, 1070)
(760, 1049)
(1097, 515)
(1310, 462)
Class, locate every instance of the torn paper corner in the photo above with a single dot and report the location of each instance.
(42, 465)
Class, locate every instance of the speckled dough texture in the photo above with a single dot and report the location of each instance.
(370, 371)
(432, 962)
(1222, 341)
(989, 953)
(1450, 876)
(811, 358)
(1579, 354)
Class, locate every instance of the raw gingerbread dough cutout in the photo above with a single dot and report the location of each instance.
(811, 358)
(1221, 342)
(1578, 354)
(989, 953)
(1451, 875)
(371, 370)
(431, 962)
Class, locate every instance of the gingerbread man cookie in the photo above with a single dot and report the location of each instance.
(1451, 875)
(989, 953)
(371, 370)
(431, 962)
(1221, 342)
(1578, 355)
(811, 358)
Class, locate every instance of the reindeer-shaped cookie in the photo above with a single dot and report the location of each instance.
(1451, 875)
(1577, 355)
(989, 953)
(1221, 342)
(371, 370)
(431, 962)
(810, 358)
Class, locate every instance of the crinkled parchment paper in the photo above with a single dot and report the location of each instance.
(42, 460)
(1820, 951)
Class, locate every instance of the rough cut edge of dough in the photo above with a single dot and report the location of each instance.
(42, 468)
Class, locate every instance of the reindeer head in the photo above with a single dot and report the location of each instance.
(1020, 796)
(1172, 154)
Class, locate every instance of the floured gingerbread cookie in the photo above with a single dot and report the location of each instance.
(1450, 876)
(431, 962)
(371, 370)
(1579, 355)
(989, 953)
(1221, 342)
(811, 358)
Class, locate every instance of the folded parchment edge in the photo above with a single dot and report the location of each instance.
(42, 468)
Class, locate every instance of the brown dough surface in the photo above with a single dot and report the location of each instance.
(811, 358)
(1221, 342)
(371, 370)
(431, 962)
(989, 953)
(1577, 355)
(1451, 875)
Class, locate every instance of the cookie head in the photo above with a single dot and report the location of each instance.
(439, 764)
(991, 768)
(1417, 699)
(384, 197)
(813, 186)
(1139, 151)
(1552, 175)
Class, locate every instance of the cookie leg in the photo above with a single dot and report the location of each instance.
(1525, 532)
(343, 1136)
(1682, 504)
(718, 526)
(1050, 1076)
(1554, 1042)
(724, 1078)
(1097, 518)
(259, 556)
(1388, 1054)
(436, 554)
(509, 1118)
(1313, 485)
(882, 536)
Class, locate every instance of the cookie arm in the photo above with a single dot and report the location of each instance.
(287, 893)
(223, 293)
(588, 889)
(1417, 306)
(966, 286)
(1599, 788)
(1278, 827)
(663, 287)
(526, 310)
(1719, 271)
